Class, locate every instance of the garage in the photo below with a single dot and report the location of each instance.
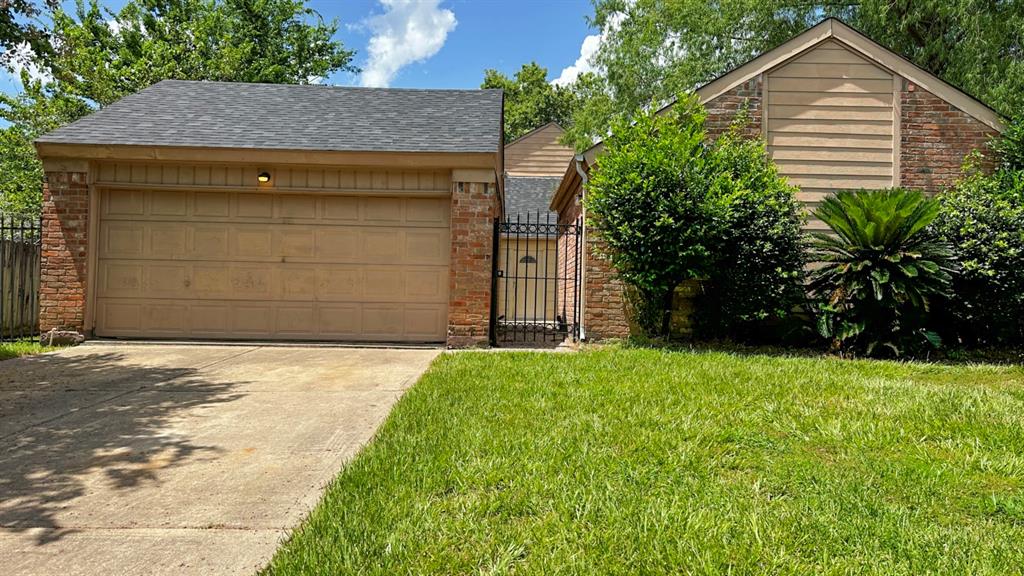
(279, 266)
(222, 211)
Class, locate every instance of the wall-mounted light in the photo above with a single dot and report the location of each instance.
(264, 177)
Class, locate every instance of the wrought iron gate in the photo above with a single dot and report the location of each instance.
(19, 277)
(534, 287)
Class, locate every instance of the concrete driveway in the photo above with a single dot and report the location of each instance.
(178, 459)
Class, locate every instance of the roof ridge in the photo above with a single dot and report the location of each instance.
(328, 86)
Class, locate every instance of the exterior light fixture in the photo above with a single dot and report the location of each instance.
(264, 177)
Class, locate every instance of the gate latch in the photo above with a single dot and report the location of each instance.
(501, 273)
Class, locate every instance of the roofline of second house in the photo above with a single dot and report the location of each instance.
(829, 28)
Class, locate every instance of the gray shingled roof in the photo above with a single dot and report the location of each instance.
(291, 117)
(530, 194)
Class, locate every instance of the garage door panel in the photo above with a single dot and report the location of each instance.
(427, 246)
(295, 243)
(255, 206)
(303, 207)
(124, 203)
(337, 244)
(428, 211)
(212, 242)
(340, 321)
(122, 239)
(324, 267)
(216, 204)
(120, 278)
(167, 240)
(168, 203)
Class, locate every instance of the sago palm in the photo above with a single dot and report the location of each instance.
(880, 269)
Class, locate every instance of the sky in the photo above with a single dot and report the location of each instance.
(449, 43)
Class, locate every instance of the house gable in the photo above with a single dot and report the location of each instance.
(538, 153)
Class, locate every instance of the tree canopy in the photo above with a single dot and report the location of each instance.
(530, 101)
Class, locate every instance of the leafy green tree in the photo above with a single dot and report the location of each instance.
(20, 27)
(37, 110)
(880, 269)
(530, 100)
(104, 55)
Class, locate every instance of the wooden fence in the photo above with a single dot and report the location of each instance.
(20, 252)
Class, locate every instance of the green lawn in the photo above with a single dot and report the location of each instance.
(10, 350)
(648, 462)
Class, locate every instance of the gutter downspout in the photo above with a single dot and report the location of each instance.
(578, 160)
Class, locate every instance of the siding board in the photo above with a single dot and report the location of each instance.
(831, 123)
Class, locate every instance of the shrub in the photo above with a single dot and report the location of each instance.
(758, 270)
(649, 197)
(880, 270)
(982, 218)
(672, 207)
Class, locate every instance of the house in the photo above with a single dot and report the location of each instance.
(838, 111)
(528, 257)
(253, 211)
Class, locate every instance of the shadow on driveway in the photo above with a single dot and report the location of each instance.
(67, 419)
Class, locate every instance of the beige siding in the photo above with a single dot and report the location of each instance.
(831, 122)
(282, 178)
(528, 291)
(538, 154)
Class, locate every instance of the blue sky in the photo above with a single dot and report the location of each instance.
(449, 43)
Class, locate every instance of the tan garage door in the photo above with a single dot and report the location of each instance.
(176, 264)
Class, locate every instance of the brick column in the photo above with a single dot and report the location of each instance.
(474, 207)
(63, 265)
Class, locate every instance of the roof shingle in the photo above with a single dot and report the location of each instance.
(294, 117)
(530, 195)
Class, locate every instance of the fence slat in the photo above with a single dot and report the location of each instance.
(20, 253)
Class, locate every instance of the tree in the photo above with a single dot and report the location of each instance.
(653, 49)
(37, 110)
(530, 100)
(20, 28)
(103, 55)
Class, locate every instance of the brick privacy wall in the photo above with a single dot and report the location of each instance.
(723, 109)
(935, 137)
(567, 261)
(63, 265)
(474, 207)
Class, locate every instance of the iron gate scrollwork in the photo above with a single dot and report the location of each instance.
(534, 286)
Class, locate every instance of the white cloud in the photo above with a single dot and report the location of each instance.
(408, 31)
(591, 44)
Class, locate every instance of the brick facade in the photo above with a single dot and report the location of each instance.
(604, 312)
(935, 137)
(474, 207)
(723, 109)
(63, 269)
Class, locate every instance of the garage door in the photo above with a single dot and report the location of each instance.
(174, 264)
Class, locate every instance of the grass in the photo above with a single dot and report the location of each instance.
(21, 348)
(652, 462)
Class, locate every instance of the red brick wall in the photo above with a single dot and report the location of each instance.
(567, 260)
(723, 109)
(935, 136)
(474, 207)
(63, 267)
